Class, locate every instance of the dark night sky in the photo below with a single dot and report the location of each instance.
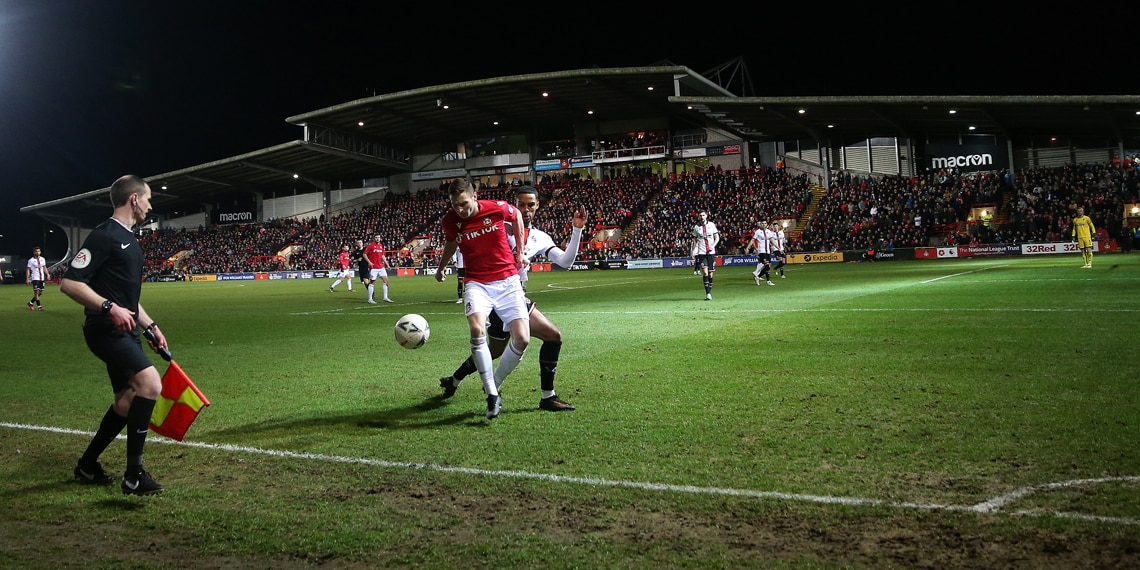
(93, 89)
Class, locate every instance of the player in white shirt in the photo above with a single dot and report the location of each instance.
(705, 238)
(36, 276)
(538, 243)
(763, 242)
(780, 254)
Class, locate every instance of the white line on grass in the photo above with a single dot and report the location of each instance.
(399, 309)
(757, 311)
(737, 311)
(960, 274)
(992, 506)
(557, 287)
(741, 311)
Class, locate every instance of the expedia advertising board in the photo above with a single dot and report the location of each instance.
(825, 257)
(965, 157)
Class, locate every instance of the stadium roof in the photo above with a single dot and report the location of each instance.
(374, 137)
(545, 106)
(275, 167)
(1107, 119)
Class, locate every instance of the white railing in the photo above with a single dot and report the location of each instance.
(628, 154)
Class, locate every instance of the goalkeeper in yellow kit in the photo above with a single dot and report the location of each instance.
(1082, 231)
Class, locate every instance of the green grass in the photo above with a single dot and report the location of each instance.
(851, 416)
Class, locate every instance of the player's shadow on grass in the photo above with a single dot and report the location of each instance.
(408, 417)
(411, 417)
(105, 496)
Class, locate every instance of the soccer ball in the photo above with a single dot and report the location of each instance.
(412, 331)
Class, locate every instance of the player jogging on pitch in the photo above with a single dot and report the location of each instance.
(763, 242)
(780, 251)
(344, 262)
(705, 239)
(36, 277)
(378, 270)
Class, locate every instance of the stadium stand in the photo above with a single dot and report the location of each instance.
(653, 216)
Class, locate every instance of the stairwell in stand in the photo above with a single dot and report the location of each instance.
(817, 194)
(1001, 216)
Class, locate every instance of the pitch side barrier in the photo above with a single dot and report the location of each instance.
(997, 249)
(908, 254)
(330, 273)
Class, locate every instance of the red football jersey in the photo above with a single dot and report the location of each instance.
(344, 260)
(482, 239)
(375, 253)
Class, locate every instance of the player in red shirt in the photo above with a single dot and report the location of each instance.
(345, 274)
(375, 254)
(478, 229)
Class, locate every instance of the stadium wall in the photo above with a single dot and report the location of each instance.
(190, 222)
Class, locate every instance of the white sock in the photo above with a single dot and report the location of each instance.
(371, 291)
(507, 363)
(385, 290)
(335, 284)
(482, 356)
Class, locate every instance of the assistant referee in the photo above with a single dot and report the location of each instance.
(106, 278)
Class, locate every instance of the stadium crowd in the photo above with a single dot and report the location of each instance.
(653, 216)
(1046, 200)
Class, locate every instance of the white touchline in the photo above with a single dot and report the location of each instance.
(557, 287)
(962, 273)
(740, 311)
(992, 506)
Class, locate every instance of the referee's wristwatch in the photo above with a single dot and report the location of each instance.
(107, 306)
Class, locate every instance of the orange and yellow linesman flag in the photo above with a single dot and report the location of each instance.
(178, 404)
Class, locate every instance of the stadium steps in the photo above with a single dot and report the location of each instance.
(817, 194)
(631, 228)
(1001, 216)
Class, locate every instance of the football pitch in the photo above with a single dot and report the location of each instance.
(943, 414)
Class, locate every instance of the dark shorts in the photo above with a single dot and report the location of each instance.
(121, 352)
(364, 272)
(779, 255)
(764, 258)
(495, 326)
(37, 285)
(708, 260)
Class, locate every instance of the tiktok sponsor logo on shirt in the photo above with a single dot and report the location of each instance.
(489, 229)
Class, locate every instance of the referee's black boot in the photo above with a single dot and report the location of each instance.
(140, 484)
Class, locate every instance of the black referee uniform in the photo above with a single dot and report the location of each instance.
(111, 263)
(363, 267)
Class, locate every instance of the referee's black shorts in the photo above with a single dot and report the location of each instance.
(121, 352)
